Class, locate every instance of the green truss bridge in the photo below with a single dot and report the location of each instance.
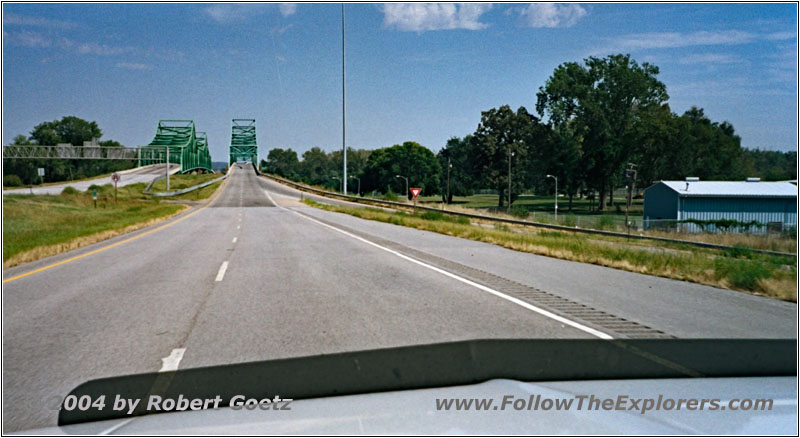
(178, 140)
(243, 141)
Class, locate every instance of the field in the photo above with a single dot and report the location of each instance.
(38, 226)
(584, 215)
(738, 269)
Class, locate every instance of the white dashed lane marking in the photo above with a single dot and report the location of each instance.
(222, 269)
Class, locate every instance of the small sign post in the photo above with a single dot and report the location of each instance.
(115, 177)
(415, 191)
(41, 175)
(94, 196)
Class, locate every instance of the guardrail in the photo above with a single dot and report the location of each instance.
(182, 191)
(380, 202)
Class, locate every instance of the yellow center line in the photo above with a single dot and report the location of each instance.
(113, 245)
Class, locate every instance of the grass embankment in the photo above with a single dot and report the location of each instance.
(738, 269)
(179, 182)
(585, 215)
(38, 226)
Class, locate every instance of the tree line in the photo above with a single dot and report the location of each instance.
(601, 115)
(69, 129)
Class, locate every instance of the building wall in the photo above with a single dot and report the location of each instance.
(660, 203)
(764, 210)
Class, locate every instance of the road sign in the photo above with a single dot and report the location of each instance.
(415, 191)
(115, 178)
(41, 171)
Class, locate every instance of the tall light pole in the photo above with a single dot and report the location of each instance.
(401, 176)
(555, 178)
(359, 184)
(344, 96)
(449, 166)
(510, 154)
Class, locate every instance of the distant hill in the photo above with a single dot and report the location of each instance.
(218, 165)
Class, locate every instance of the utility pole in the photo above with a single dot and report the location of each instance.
(344, 96)
(630, 174)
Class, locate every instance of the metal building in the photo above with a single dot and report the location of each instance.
(669, 204)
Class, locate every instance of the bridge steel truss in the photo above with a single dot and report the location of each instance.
(243, 141)
(186, 146)
(69, 152)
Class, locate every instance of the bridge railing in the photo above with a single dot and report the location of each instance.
(69, 152)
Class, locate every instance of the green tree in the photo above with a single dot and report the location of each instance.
(603, 98)
(69, 129)
(20, 140)
(504, 135)
(457, 154)
(282, 162)
(317, 169)
(411, 160)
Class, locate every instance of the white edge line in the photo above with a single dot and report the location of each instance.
(221, 272)
(517, 301)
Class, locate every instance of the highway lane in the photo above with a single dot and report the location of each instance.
(678, 308)
(143, 174)
(240, 280)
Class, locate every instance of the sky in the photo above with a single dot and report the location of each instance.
(415, 72)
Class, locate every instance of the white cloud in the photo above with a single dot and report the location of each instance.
(281, 30)
(420, 17)
(288, 9)
(661, 40)
(709, 58)
(134, 66)
(27, 39)
(27, 21)
(552, 14)
(101, 49)
(227, 13)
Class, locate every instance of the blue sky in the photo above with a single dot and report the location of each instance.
(421, 72)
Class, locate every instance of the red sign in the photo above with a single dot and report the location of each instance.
(115, 177)
(415, 192)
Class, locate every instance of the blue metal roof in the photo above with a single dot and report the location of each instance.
(733, 189)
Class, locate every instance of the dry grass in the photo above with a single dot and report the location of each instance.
(43, 251)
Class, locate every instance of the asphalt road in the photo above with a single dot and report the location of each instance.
(143, 174)
(257, 275)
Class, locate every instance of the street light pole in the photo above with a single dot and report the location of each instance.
(556, 196)
(359, 184)
(449, 166)
(344, 96)
(510, 154)
(401, 176)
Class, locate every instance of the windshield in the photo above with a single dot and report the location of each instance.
(403, 187)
